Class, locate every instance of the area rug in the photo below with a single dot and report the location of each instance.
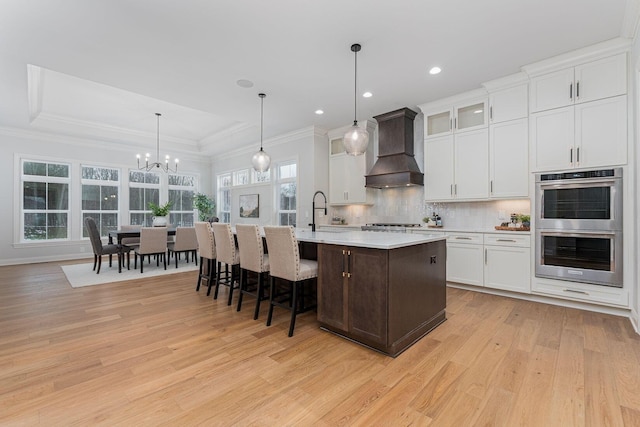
(80, 275)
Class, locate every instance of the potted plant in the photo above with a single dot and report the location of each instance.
(206, 206)
(525, 220)
(160, 213)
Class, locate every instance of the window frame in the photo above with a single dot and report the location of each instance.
(224, 196)
(147, 215)
(277, 190)
(99, 212)
(47, 180)
(182, 188)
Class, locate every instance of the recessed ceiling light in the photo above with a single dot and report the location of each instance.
(435, 70)
(319, 112)
(477, 112)
(244, 83)
(367, 95)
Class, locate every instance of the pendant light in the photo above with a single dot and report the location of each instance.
(261, 160)
(356, 139)
(149, 166)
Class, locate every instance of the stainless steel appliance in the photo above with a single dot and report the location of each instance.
(392, 228)
(579, 226)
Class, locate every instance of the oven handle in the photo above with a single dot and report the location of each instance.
(576, 233)
(577, 183)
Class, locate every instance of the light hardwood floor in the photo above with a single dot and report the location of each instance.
(156, 352)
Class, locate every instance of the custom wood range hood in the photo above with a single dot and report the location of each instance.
(396, 165)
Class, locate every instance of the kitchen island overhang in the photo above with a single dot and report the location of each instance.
(382, 290)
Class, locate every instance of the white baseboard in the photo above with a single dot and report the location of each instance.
(49, 258)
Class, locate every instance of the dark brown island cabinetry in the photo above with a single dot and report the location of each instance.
(386, 299)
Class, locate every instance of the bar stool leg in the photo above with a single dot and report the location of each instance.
(271, 292)
(294, 306)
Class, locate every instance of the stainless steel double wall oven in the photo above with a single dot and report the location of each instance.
(579, 226)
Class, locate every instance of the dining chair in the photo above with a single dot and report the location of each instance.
(153, 241)
(252, 258)
(186, 242)
(99, 249)
(228, 254)
(285, 263)
(207, 250)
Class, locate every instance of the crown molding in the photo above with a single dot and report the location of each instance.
(579, 56)
(306, 132)
(507, 82)
(469, 96)
(81, 141)
(630, 19)
(34, 91)
(99, 131)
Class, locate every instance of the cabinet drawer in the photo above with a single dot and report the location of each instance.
(507, 240)
(465, 238)
(582, 292)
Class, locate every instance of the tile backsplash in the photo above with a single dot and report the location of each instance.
(406, 205)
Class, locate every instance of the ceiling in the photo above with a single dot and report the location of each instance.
(102, 68)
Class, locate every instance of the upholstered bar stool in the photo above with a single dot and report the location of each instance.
(207, 250)
(285, 263)
(227, 253)
(252, 258)
(186, 242)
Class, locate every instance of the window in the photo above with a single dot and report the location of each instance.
(241, 177)
(258, 177)
(181, 190)
(100, 197)
(45, 200)
(144, 187)
(286, 189)
(224, 197)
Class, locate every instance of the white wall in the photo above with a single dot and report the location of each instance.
(634, 158)
(37, 145)
(308, 147)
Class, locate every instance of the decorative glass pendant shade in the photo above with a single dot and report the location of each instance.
(261, 160)
(356, 139)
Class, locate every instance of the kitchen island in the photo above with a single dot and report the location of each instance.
(382, 290)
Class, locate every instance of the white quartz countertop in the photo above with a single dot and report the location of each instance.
(367, 239)
(467, 230)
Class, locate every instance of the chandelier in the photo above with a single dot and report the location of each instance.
(164, 166)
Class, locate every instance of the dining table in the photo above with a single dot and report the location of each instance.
(122, 234)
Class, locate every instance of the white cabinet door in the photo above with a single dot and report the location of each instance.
(590, 134)
(508, 268)
(552, 90)
(601, 79)
(438, 168)
(509, 159)
(587, 82)
(471, 165)
(337, 173)
(601, 132)
(465, 263)
(552, 136)
(470, 116)
(508, 104)
(439, 123)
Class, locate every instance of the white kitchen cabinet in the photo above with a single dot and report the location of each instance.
(587, 82)
(507, 262)
(591, 134)
(508, 104)
(509, 159)
(347, 176)
(457, 166)
(438, 168)
(458, 118)
(465, 261)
